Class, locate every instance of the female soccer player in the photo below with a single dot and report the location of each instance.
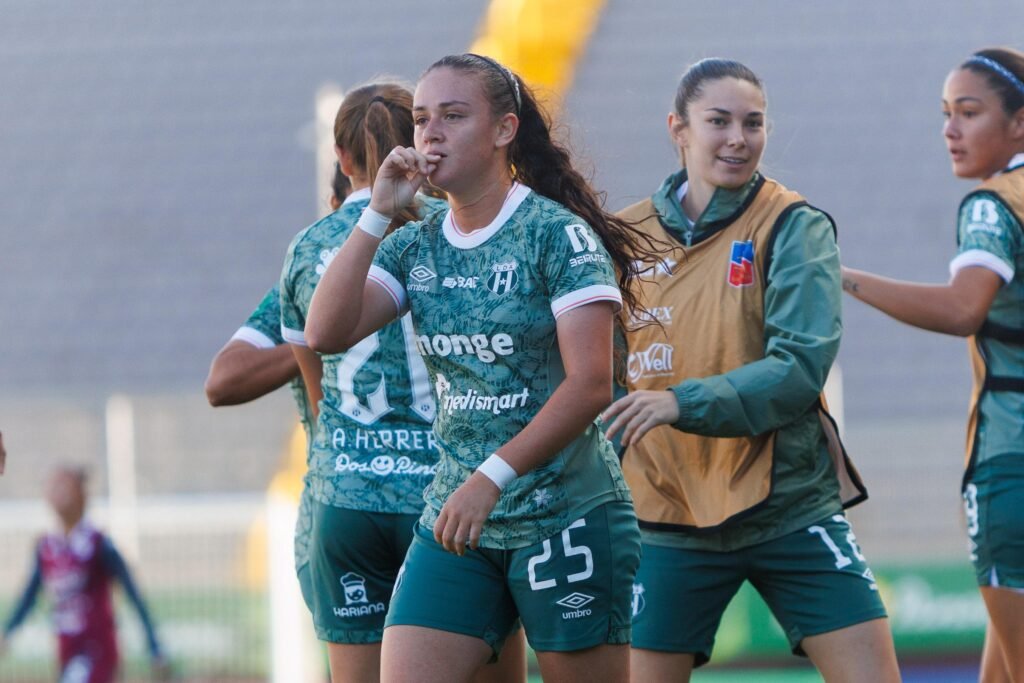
(373, 450)
(727, 444)
(255, 361)
(983, 103)
(77, 566)
(512, 294)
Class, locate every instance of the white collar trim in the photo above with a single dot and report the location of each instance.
(358, 195)
(680, 193)
(683, 189)
(1017, 160)
(462, 240)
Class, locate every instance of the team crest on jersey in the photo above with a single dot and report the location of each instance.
(504, 278)
(741, 264)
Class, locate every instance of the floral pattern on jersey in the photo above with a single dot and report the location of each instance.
(988, 226)
(373, 448)
(303, 528)
(484, 325)
(266, 319)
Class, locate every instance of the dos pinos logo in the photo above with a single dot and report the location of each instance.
(741, 264)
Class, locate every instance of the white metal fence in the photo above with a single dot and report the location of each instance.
(202, 566)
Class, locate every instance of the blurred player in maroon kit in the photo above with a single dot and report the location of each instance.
(77, 566)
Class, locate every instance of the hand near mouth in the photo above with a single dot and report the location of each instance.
(400, 176)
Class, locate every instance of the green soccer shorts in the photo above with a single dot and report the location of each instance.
(572, 591)
(993, 503)
(814, 580)
(354, 558)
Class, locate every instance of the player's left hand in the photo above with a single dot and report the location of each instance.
(639, 412)
(464, 513)
(3, 454)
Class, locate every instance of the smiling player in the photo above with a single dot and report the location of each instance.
(727, 445)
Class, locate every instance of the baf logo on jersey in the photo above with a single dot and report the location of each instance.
(654, 361)
(460, 282)
(504, 278)
(356, 602)
(584, 246)
(741, 264)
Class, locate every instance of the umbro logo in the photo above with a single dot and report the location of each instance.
(575, 600)
(422, 274)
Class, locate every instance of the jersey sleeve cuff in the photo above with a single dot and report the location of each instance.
(685, 397)
(251, 335)
(985, 259)
(391, 285)
(587, 295)
(297, 337)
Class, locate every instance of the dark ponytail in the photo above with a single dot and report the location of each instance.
(545, 166)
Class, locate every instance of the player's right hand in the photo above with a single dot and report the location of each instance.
(401, 174)
(640, 411)
(463, 515)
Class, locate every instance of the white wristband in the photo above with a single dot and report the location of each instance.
(498, 471)
(374, 223)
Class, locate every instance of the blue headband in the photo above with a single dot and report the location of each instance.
(993, 65)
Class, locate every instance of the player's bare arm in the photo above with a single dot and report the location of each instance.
(337, 318)
(958, 307)
(241, 372)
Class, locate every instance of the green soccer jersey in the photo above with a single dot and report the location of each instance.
(991, 236)
(373, 449)
(484, 306)
(263, 330)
